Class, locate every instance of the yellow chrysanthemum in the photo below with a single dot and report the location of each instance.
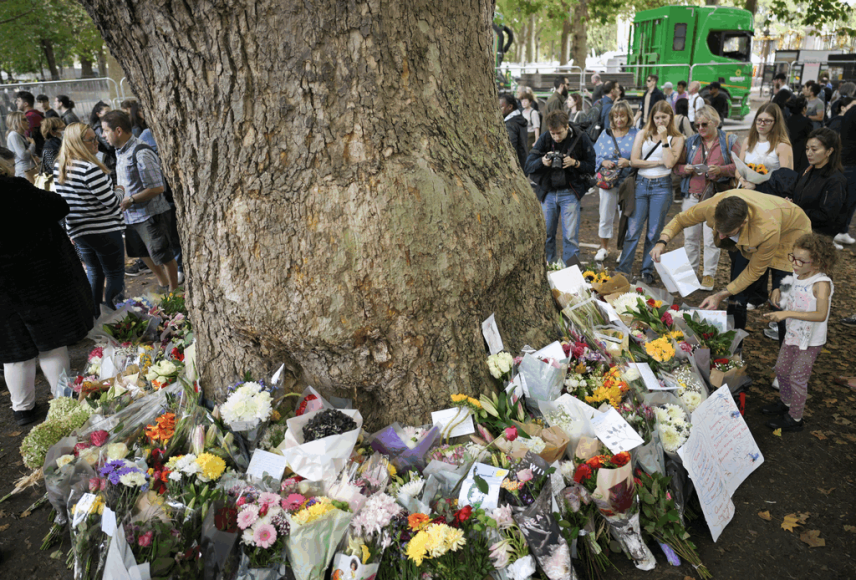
(211, 465)
(313, 512)
(660, 350)
(416, 548)
(391, 469)
(366, 554)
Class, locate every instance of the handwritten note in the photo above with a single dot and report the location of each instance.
(491, 335)
(265, 462)
(614, 432)
(676, 272)
(464, 426)
(702, 466)
(733, 447)
(650, 378)
(470, 494)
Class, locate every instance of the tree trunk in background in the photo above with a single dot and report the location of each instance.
(566, 42)
(531, 53)
(102, 63)
(348, 200)
(578, 37)
(86, 71)
(520, 45)
(752, 6)
(711, 2)
(47, 49)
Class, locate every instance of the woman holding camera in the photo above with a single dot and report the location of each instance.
(656, 150)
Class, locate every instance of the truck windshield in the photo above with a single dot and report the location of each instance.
(730, 44)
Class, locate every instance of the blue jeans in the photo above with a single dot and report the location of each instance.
(653, 199)
(562, 201)
(104, 256)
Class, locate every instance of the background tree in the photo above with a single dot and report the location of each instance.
(349, 202)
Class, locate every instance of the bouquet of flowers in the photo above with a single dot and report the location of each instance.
(510, 554)
(405, 446)
(642, 418)
(64, 416)
(581, 526)
(726, 371)
(88, 543)
(317, 445)
(126, 481)
(164, 373)
(219, 539)
(610, 481)
(660, 519)
(368, 536)
(544, 536)
(674, 427)
(165, 535)
(246, 409)
(317, 525)
(500, 365)
(709, 336)
(264, 523)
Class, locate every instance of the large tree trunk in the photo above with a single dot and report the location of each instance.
(348, 200)
(531, 53)
(752, 6)
(566, 42)
(47, 49)
(86, 71)
(578, 36)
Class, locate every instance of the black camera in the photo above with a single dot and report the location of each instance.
(555, 156)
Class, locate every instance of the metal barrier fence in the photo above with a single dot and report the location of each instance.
(84, 92)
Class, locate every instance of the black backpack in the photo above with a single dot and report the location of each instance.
(590, 121)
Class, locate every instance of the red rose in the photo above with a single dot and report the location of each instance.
(595, 462)
(674, 307)
(566, 347)
(621, 459)
(638, 481)
(464, 514)
(640, 291)
(651, 302)
(582, 472)
(667, 319)
(721, 361)
(686, 347)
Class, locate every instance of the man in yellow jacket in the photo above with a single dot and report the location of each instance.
(759, 230)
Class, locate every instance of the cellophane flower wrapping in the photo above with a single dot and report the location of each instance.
(220, 541)
(544, 537)
(544, 380)
(61, 480)
(88, 543)
(393, 441)
(311, 547)
(274, 572)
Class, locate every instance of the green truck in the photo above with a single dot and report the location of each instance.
(699, 43)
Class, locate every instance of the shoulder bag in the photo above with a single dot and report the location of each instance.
(607, 178)
(630, 181)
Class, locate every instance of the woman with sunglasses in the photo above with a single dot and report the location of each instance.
(768, 143)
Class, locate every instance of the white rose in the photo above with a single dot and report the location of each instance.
(90, 456)
(116, 451)
(64, 460)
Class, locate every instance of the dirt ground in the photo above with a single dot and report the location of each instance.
(810, 472)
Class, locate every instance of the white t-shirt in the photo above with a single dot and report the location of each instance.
(694, 102)
(533, 120)
(801, 298)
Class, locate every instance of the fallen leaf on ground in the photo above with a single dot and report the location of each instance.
(813, 539)
(777, 432)
(825, 491)
(764, 516)
(803, 516)
(4, 527)
(13, 434)
(819, 435)
(56, 555)
(790, 522)
(830, 402)
(26, 514)
(850, 529)
(850, 436)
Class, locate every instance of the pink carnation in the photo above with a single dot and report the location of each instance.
(94, 484)
(264, 536)
(99, 438)
(145, 540)
(667, 319)
(241, 501)
(96, 352)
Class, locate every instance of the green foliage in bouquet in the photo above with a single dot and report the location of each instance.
(710, 337)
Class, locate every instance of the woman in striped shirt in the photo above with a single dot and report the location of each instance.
(95, 223)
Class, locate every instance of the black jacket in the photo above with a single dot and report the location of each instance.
(799, 128)
(656, 97)
(583, 152)
(720, 104)
(517, 133)
(821, 193)
(50, 153)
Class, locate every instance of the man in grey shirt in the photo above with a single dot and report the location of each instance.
(814, 105)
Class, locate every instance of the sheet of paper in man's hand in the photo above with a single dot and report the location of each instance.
(676, 272)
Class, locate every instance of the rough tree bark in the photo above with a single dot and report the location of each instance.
(348, 200)
(578, 36)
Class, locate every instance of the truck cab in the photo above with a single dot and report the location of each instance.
(695, 43)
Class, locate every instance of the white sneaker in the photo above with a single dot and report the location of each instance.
(846, 239)
(776, 384)
(837, 246)
(601, 255)
(750, 306)
(773, 325)
(180, 277)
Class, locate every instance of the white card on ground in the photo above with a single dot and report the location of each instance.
(676, 272)
(470, 494)
(568, 280)
(442, 419)
(491, 335)
(108, 522)
(728, 437)
(266, 462)
(702, 467)
(651, 381)
(553, 350)
(614, 432)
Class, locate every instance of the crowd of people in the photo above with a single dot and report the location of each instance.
(674, 145)
(91, 194)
